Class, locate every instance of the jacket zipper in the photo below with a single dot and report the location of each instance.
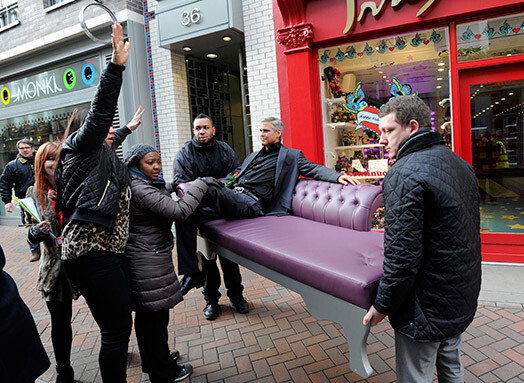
(105, 191)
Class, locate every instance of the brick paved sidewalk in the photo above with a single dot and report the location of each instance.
(278, 341)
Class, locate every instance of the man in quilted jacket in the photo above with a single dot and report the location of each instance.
(432, 265)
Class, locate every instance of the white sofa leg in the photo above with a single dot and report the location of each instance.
(350, 317)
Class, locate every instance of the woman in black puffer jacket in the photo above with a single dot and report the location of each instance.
(148, 259)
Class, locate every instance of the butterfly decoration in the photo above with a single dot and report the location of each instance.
(382, 47)
(488, 31)
(355, 100)
(368, 50)
(325, 57)
(398, 89)
(435, 37)
(351, 52)
(340, 55)
(400, 43)
(468, 34)
(416, 41)
(505, 28)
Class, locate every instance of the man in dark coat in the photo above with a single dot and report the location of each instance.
(19, 174)
(432, 265)
(205, 156)
(264, 184)
(22, 355)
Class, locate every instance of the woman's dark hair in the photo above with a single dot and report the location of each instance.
(76, 121)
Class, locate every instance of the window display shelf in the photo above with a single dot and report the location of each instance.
(341, 125)
(359, 146)
(338, 100)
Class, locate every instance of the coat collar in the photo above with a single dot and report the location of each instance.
(422, 139)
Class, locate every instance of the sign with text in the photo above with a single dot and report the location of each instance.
(80, 75)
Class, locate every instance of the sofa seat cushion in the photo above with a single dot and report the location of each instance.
(338, 261)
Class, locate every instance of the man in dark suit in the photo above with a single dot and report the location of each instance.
(264, 184)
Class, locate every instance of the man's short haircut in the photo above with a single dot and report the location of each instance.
(276, 123)
(202, 115)
(25, 141)
(407, 108)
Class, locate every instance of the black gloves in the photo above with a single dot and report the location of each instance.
(212, 181)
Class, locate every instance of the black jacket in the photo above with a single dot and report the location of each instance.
(22, 356)
(91, 176)
(432, 265)
(193, 160)
(148, 255)
(19, 174)
(291, 164)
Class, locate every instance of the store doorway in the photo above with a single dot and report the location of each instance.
(492, 141)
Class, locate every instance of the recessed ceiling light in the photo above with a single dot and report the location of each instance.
(384, 76)
(439, 86)
(380, 72)
(187, 49)
(440, 69)
(496, 102)
(439, 79)
(502, 99)
(211, 55)
(227, 38)
(441, 64)
(511, 94)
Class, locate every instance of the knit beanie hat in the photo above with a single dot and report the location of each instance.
(135, 154)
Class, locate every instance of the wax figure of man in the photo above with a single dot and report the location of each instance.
(19, 174)
(432, 268)
(206, 156)
(264, 184)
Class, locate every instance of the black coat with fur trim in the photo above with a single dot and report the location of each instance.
(432, 265)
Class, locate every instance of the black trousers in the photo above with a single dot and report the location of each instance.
(61, 331)
(152, 339)
(101, 280)
(218, 203)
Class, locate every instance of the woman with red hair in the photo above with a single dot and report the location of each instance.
(52, 280)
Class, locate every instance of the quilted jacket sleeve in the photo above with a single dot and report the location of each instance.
(403, 239)
(162, 205)
(100, 117)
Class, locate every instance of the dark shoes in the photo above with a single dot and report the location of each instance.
(191, 280)
(211, 311)
(187, 370)
(174, 354)
(65, 374)
(241, 306)
(34, 257)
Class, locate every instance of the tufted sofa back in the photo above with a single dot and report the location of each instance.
(349, 206)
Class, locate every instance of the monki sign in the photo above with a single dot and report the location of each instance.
(375, 9)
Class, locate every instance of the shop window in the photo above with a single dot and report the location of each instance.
(358, 78)
(8, 13)
(497, 141)
(491, 38)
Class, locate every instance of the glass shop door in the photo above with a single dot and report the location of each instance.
(491, 139)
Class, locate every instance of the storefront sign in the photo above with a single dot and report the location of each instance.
(375, 10)
(184, 20)
(80, 75)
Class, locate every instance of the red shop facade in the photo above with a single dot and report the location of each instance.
(340, 60)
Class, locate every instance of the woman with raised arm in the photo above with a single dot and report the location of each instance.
(94, 196)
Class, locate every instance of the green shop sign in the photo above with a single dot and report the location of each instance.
(80, 75)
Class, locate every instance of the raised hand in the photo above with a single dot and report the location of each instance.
(120, 48)
(135, 122)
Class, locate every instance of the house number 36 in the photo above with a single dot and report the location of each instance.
(190, 17)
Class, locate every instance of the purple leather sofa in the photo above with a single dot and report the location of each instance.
(325, 251)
